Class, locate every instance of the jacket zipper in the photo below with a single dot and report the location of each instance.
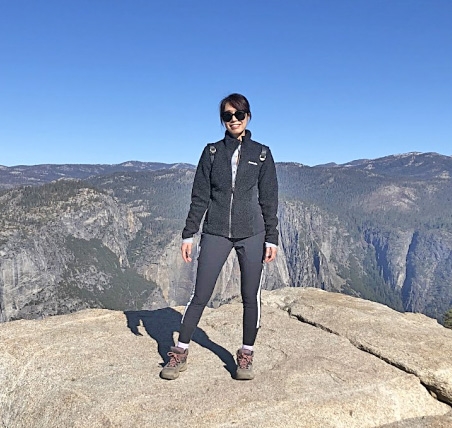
(230, 213)
(232, 192)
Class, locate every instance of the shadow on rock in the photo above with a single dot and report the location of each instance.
(161, 325)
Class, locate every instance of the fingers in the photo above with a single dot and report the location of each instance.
(270, 254)
(186, 252)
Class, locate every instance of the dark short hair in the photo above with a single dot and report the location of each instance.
(238, 101)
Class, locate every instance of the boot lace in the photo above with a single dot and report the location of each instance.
(175, 359)
(244, 361)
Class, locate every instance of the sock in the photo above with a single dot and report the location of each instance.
(247, 347)
(182, 345)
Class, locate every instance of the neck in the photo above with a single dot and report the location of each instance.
(240, 136)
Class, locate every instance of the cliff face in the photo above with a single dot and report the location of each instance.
(316, 246)
(67, 254)
(378, 229)
(429, 272)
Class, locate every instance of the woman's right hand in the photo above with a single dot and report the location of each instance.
(186, 251)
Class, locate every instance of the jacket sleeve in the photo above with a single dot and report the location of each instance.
(200, 195)
(268, 198)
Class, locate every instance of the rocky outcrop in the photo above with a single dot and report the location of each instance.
(412, 342)
(337, 361)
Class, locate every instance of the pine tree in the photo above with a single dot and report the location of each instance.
(448, 319)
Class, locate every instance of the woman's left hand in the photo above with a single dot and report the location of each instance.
(270, 254)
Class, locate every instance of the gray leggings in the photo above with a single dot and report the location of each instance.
(214, 252)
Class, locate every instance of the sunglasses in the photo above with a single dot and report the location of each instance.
(227, 116)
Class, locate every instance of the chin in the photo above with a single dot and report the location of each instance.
(236, 132)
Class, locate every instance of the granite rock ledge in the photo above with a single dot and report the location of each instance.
(99, 368)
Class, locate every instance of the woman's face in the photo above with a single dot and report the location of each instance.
(234, 126)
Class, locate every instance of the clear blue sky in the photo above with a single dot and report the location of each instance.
(106, 81)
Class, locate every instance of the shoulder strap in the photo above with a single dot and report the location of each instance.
(263, 154)
(212, 150)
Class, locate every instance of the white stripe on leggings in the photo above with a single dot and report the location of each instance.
(188, 304)
(259, 297)
(198, 249)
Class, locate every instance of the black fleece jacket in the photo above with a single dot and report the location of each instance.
(248, 209)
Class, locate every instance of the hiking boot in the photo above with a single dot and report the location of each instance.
(244, 365)
(176, 364)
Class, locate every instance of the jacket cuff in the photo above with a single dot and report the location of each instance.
(269, 244)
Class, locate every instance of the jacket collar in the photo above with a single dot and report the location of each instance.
(232, 141)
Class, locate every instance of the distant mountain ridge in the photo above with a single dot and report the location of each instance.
(409, 165)
(23, 175)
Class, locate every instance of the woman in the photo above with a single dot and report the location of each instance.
(236, 184)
